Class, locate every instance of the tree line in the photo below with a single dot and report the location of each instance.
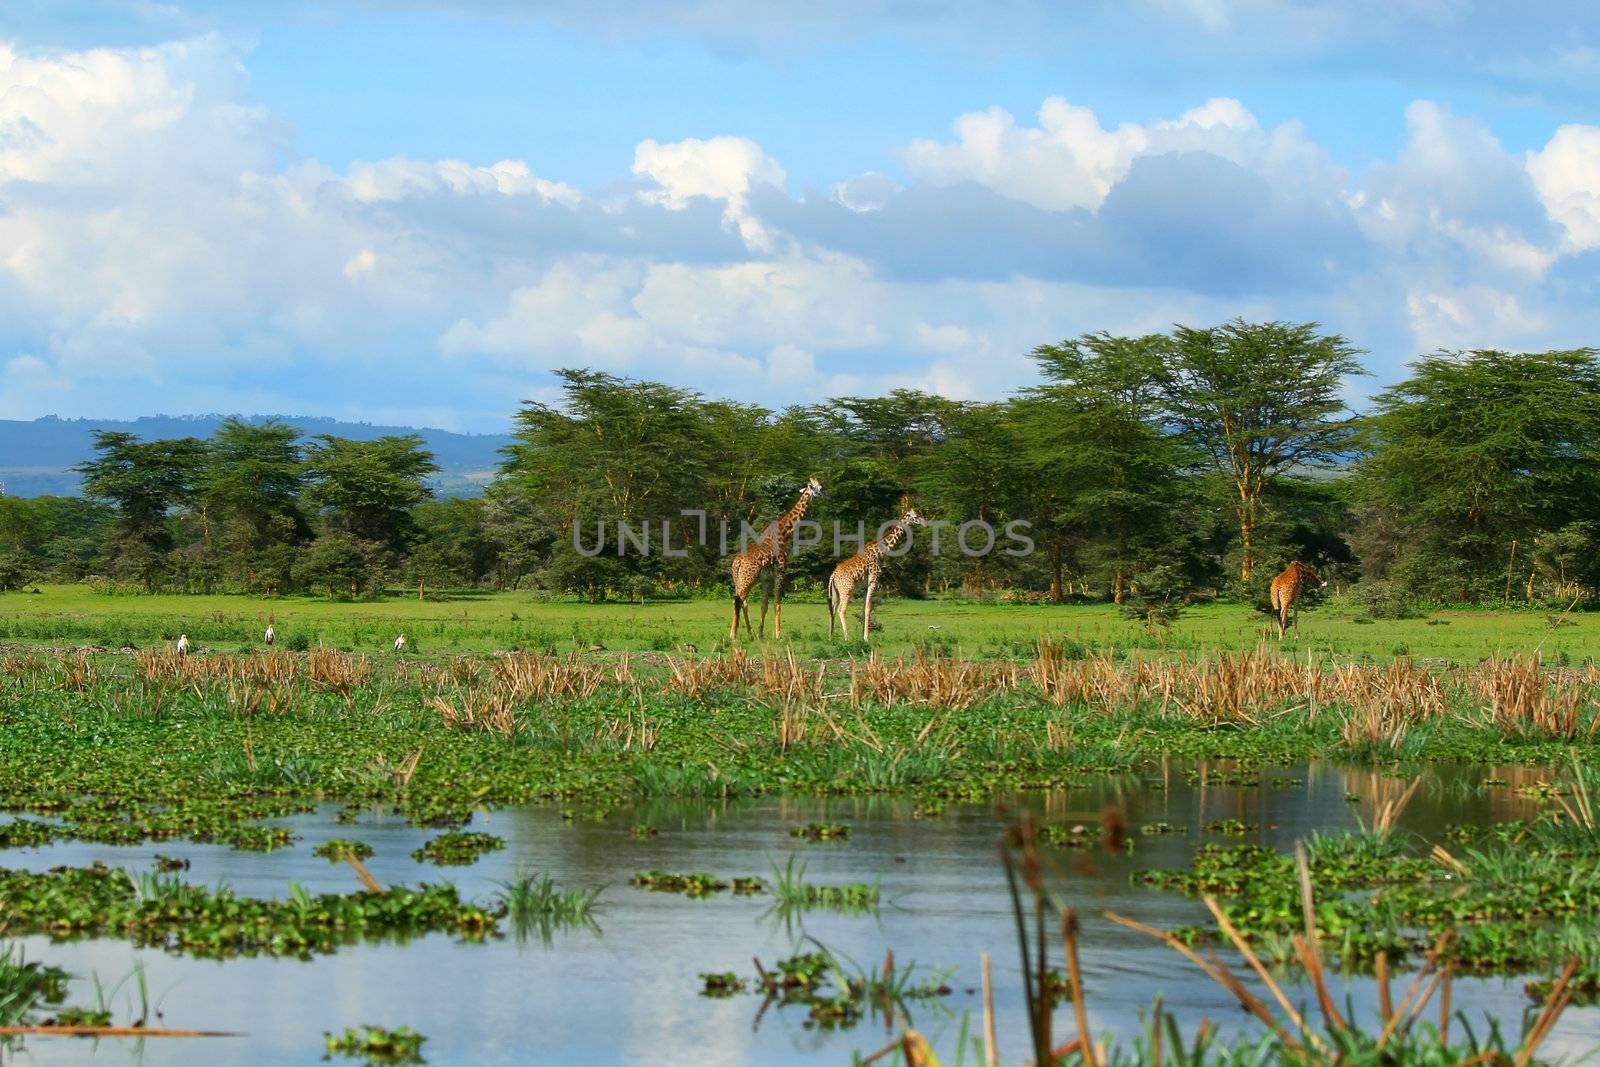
(1203, 458)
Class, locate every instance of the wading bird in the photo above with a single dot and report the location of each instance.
(1286, 590)
(183, 644)
(269, 635)
(400, 643)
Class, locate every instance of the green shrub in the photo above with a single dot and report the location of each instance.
(1385, 600)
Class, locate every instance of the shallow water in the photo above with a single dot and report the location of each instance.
(629, 992)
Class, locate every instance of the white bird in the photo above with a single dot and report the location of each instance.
(932, 627)
(400, 643)
(183, 644)
(269, 635)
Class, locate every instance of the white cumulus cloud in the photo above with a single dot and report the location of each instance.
(1566, 172)
(717, 168)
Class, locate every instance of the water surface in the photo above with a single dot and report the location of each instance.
(628, 993)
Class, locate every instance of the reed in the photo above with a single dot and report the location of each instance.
(1402, 1032)
(532, 903)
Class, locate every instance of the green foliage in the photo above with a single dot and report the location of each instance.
(723, 984)
(836, 992)
(143, 480)
(336, 849)
(60, 536)
(376, 1044)
(532, 903)
(1381, 599)
(1201, 452)
(341, 565)
(248, 502)
(613, 451)
(792, 893)
(457, 849)
(156, 910)
(26, 986)
(1258, 400)
(1104, 479)
(1156, 598)
(1481, 449)
(693, 885)
(17, 569)
(366, 490)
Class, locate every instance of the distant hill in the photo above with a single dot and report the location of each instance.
(36, 458)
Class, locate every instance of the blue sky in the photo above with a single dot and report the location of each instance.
(412, 211)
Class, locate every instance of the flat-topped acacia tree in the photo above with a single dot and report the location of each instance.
(1260, 399)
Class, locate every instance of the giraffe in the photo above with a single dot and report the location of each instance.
(771, 549)
(1286, 590)
(864, 564)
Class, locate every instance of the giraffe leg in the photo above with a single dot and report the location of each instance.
(733, 631)
(844, 607)
(833, 606)
(777, 596)
(766, 600)
(866, 609)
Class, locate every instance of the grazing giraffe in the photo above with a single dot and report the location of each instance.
(867, 563)
(770, 550)
(1286, 590)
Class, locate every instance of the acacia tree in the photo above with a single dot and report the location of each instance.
(976, 472)
(1481, 450)
(1259, 400)
(365, 492)
(143, 480)
(62, 535)
(248, 497)
(1107, 477)
(613, 451)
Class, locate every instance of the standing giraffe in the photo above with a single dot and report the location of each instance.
(1286, 590)
(867, 563)
(770, 550)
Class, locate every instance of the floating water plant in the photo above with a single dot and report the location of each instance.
(26, 833)
(163, 911)
(821, 831)
(457, 849)
(375, 1044)
(791, 892)
(1399, 1035)
(1076, 835)
(335, 850)
(691, 885)
(725, 984)
(835, 991)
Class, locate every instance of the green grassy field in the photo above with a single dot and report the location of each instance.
(77, 616)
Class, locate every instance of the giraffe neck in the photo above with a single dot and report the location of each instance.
(887, 542)
(786, 524)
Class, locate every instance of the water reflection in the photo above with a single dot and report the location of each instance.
(567, 994)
